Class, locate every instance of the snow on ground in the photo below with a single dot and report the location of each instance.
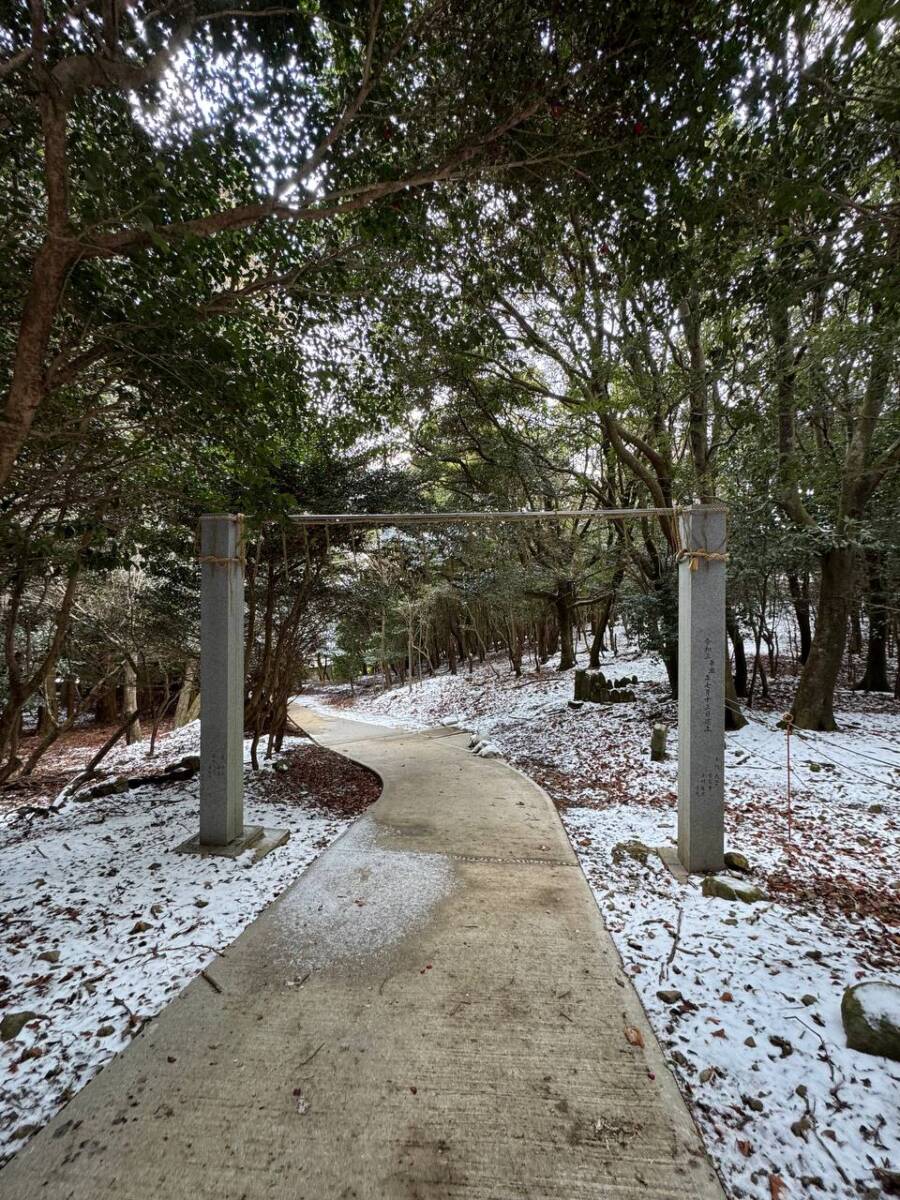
(103, 923)
(755, 1038)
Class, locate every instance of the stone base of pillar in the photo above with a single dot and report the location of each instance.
(254, 838)
(669, 858)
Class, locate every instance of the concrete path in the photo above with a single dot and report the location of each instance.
(433, 1010)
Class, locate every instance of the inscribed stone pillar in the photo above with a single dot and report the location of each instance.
(221, 679)
(701, 689)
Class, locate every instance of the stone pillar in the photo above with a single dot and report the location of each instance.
(221, 679)
(658, 738)
(701, 689)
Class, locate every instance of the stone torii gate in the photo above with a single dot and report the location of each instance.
(701, 670)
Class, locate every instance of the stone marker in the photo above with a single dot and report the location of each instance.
(701, 688)
(658, 743)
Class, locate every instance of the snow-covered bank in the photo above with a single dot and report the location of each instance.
(755, 1036)
(103, 923)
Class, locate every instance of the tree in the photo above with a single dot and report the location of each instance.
(821, 266)
(224, 148)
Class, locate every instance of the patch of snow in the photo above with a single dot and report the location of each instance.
(880, 1002)
(132, 922)
(488, 750)
(758, 1048)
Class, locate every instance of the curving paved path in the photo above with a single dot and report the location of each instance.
(433, 1011)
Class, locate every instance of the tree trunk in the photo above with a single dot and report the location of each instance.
(542, 652)
(21, 689)
(107, 709)
(669, 655)
(875, 678)
(601, 624)
(129, 702)
(757, 665)
(664, 631)
(698, 384)
(856, 637)
(814, 701)
(49, 711)
(182, 708)
(409, 647)
(29, 379)
(565, 613)
(457, 635)
(596, 647)
(516, 647)
(740, 657)
(800, 599)
(551, 640)
(769, 638)
(734, 718)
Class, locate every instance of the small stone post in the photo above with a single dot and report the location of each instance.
(221, 679)
(701, 688)
(658, 743)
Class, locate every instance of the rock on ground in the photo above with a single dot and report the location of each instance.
(871, 1016)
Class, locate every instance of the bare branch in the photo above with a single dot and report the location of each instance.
(11, 64)
(348, 115)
